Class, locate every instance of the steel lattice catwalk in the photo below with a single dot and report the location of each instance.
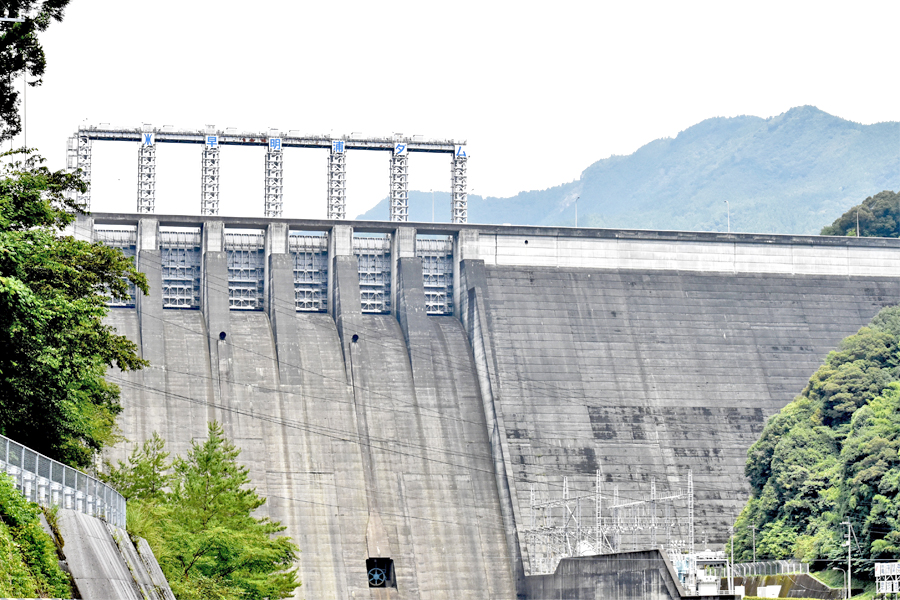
(400, 183)
(209, 181)
(458, 187)
(78, 156)
(274, 177)
(146, 200)
(337, 181)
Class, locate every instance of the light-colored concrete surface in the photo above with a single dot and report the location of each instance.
(105, 564)
(782, 256)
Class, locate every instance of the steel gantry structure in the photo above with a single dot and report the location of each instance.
(560, 527)
(80, 146)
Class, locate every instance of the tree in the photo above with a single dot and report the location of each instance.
(20, 52)
(54, 347)
(879, 216)
(212, 545)
(832, 455)
(145, 476)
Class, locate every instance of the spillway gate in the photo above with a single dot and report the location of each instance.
(181, 251)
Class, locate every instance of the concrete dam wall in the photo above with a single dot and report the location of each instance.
(403, 393)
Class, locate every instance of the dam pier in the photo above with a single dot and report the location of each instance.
(405, 394)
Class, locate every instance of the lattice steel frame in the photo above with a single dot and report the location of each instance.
(337, 181)
(146, 200)
(126, 241)
(437, 272)
(246, 270)
(78, 156)
(180, 253)
(559, 529)
(209, 180)
(274, 179)
(374, 257)
(310, 258)
(399, 184)
(459, 211)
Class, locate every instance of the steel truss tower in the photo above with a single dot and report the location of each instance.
(274, 178)
(209, 179)
(78, 156)
(337, 181)
(146, 200)
(459, 212)
(400, 183)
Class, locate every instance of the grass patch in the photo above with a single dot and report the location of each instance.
(833, 579)
(29, 566)
(51, 514)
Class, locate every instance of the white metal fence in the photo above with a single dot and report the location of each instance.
(769, 567)
(48, 482)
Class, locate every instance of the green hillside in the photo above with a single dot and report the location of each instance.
(831, 456)
(786, 174)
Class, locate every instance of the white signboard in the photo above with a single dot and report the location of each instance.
(148, 138)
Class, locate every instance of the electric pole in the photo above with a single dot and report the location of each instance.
(731, 566)
(753, 529)
(849, 531)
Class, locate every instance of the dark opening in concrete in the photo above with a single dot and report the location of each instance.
(380, 572)
(355, 338)
(526, 242)
(221, 335)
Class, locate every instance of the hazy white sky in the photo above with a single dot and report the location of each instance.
(539, 90)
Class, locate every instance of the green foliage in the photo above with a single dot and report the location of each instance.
(54, 347)
(831, 455)
(145, 475)
(20, 52)
(879, 216)
(28, 561)
(202, 529)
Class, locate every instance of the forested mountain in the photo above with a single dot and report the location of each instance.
(831, 456)
(784, 174)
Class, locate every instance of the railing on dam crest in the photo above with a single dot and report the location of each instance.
(47, 482)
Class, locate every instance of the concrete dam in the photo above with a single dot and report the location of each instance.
(429, 400)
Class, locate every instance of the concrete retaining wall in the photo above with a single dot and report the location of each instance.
(786, 586)
(644, 575)
(105, 563)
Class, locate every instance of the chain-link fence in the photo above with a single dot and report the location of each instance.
(769, 567)
(47, 482)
